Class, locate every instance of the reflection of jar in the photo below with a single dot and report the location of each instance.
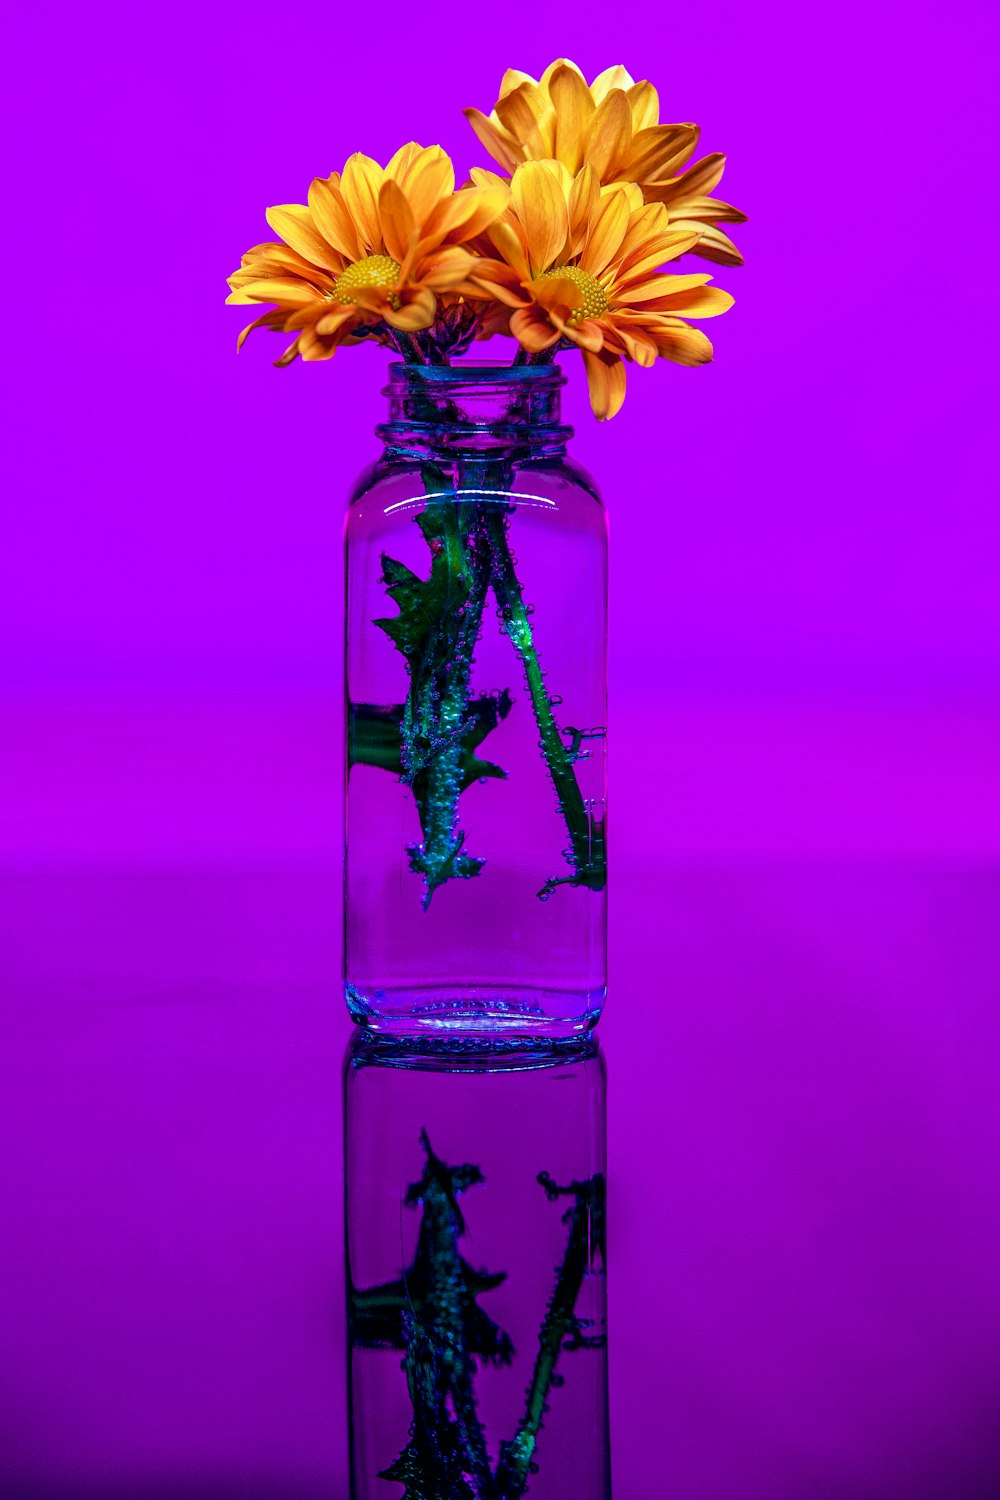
(475, 1204)
(476, 706)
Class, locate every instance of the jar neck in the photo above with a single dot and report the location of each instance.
(509, 411)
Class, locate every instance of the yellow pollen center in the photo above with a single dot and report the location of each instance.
(595, 299)
(374, 270)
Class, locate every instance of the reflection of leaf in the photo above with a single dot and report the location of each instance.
(434, 1465)
(433, 1315)
(378, 1315)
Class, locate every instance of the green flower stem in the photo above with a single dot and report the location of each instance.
(437, 630)
(586, 838)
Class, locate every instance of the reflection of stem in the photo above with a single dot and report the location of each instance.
(586, 844)
(585, 1243)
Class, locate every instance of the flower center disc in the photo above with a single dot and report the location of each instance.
(374, 270)
(595, 299)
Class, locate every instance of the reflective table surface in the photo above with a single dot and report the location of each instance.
(803, 1184)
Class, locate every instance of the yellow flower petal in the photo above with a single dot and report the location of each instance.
(636, 342)
(482, 178)
(545, 82)
(527, 117)
(498, 142)
(713, 244)
(696, 181)
(610, 132)
(415, 313)
(290, 354)
(708, 211)
(446, 269)
(332, 321)
(289, 293)
(606, 381)
(266, 320)
(428, 179)
(402, 160)
(398, 229)
(700, 302)
(331, 218)
(466, 213)
(681, 343)
(274, 251)
(313, 349)
(583, 199)
(360, 185)
(508, 240)
(653, 253)
(533, 332)
(658, 151)
(557, 294)
(497, 279)
(612, 78)
(588, 334)
(512, 79)
(644, 102)
(294, 223)
(607, 230)
(660, 284)
(647, 220)
(574, 110)
(280, 261)
(541, 207)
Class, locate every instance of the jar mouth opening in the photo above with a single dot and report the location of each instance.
(480, 372)
(476, 406)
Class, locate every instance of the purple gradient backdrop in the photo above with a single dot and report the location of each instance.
(805, 660)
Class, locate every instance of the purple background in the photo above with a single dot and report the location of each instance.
(805, 725)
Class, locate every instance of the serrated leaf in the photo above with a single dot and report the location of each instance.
(436, 629)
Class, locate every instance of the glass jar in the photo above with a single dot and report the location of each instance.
(476, 596)
(475, 1234)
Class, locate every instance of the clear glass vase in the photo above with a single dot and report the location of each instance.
(476, 709)
(475, 1231)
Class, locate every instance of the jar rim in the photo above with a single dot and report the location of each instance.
(474, 372)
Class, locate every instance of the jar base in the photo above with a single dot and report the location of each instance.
(480, 1009)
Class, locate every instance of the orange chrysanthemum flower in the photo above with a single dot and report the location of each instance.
(368, 254)
(579, 263)
(614, 125)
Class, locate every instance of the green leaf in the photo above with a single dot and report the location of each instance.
(436, 628)
(374, 737)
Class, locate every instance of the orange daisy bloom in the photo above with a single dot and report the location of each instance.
(614, 125)
(369, 253)
(579, 264)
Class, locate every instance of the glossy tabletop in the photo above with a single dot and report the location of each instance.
(804, 1182)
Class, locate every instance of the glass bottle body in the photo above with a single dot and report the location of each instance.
(475, 1233)
(476, 708)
